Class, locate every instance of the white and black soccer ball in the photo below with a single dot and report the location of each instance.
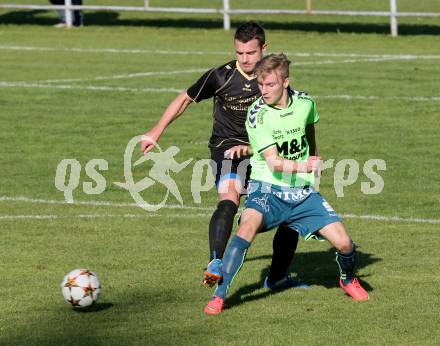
(80, 288)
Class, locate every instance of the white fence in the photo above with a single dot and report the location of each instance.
(227, 11)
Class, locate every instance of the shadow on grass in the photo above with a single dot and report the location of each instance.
(312, 268)
(297, 24)
(94, 308)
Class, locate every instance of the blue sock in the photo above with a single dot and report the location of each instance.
(347, 265)
(232, 263)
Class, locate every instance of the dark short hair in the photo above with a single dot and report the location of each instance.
(249, 31)
(271, 63)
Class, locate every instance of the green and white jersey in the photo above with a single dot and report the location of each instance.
(268, 126)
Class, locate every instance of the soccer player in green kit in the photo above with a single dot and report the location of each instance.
(233, 88)
(280, 125)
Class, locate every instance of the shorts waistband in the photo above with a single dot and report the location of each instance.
(286, 193)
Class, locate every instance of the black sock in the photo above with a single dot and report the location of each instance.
(284, 246)
(220, 227)
(347, 265)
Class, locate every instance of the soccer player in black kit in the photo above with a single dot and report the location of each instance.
(233, 88)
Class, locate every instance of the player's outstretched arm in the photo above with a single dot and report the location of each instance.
(173, 111)
(279, 164)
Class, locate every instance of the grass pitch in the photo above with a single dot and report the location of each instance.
(83, 94)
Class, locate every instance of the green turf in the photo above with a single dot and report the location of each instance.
(150, 264)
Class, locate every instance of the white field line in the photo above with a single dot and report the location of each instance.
(189, 215)
(98, 216)
(360, 58)
(354, 61)
(96, 203)
(180, 52)
(89, 87)
(111, 50)
(175, 90)
(392, 218)
(200, 70)
(376, 98)
(124, 76)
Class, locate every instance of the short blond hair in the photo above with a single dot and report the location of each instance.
(271, 63)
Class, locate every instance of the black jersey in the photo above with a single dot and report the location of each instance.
(232, 92)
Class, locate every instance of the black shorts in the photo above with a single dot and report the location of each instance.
(229, 169)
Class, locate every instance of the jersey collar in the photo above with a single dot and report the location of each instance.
(242, 72)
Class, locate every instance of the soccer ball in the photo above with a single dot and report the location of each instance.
(80, 288)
